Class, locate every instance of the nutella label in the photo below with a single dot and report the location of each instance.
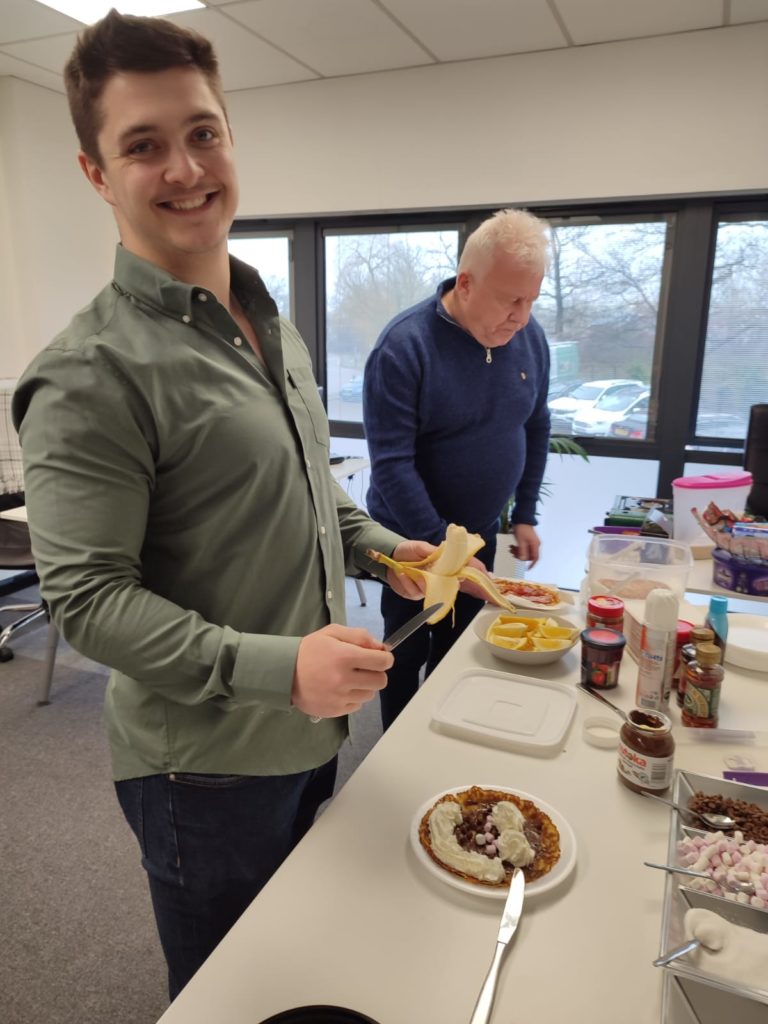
(644, 771)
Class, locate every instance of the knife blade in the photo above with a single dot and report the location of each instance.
(411, 626)
(513, 909)
(400, 634)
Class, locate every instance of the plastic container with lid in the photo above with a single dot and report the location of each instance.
(727, 490)
(630, 567)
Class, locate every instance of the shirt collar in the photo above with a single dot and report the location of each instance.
(154, 286)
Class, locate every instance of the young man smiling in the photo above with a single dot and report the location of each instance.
(186, 528)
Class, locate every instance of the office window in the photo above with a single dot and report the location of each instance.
(599, 306)
(369, 277)
(735, 368)
(271, 256)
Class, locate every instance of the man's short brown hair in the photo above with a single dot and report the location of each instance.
(127, 43)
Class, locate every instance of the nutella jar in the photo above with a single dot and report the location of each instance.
(646, 751)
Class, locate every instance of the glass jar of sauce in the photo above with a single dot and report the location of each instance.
(601, 652)
(605, 610)
(699, 635)
(646, 751)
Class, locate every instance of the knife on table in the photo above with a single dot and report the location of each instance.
(400, 634)
(513, 909)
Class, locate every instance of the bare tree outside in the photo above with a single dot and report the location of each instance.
(370, 278)
(735, 370)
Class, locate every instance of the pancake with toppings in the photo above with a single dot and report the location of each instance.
(481, 835)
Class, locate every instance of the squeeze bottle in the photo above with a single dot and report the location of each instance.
(657, 650)
(717, 620)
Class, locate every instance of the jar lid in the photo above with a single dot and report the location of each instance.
(607, 606)
(603, 638)
(708, 654)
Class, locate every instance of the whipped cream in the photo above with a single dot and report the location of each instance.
(512, 844)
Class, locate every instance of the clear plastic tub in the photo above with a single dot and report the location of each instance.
(630, 567)
(727, 490)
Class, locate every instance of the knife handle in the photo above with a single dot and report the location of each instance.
(484, 1004)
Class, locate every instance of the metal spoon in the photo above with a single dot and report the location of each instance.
(603, 700)
(715, 821)
(688, 947)
(726, 883)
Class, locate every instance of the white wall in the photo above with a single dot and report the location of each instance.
(679, 114)
(58, 237)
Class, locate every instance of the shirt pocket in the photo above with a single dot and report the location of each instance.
(302, 385)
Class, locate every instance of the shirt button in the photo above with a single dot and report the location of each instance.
(187, 319)
(238, 341)
(329, 595)
(322, 531)
(202, 297)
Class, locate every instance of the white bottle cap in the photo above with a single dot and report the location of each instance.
(661, 608)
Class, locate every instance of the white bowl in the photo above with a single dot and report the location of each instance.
(484, 619)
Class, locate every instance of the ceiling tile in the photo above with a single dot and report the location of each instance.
(245, 61)
(748, 10)
(335, 37)
(463, 29)
(27, 19)
(29, 73)
(51, 53)
(596, 21)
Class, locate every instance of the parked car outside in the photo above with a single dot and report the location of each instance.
(352, 391)
(564, 408)
(634, 423)
(597, 421)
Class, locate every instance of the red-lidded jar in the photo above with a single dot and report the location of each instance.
(646, 751)
(601, 651)
(684, 630)
(606, 610)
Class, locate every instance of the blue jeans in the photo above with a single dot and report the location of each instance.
(209, 844)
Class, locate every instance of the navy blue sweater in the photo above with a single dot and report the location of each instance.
(452, 436)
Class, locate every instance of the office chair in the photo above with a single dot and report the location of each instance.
(16, 555)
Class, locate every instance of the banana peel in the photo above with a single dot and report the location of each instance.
(443, 570)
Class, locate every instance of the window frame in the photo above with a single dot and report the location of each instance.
(681, 327)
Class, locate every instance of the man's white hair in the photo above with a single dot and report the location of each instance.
(515, 232)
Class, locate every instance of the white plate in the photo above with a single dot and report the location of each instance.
(547, 882)
(537, 606)
(747, 641)
(484, 618)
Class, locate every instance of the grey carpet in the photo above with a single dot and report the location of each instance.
(78, 938)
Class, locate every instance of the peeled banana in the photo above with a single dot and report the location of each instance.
(443, 570)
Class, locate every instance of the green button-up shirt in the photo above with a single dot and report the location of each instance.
(186, 528)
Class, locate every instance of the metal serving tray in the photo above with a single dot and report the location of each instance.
(695, 986)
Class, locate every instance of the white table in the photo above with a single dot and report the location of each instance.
(353, 919)
(17, 515)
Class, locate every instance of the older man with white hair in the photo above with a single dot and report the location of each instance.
(456, 418)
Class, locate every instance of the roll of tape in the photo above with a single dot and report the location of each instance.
(601, 732)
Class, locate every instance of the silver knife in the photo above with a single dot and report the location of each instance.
(399, 635)
(411, 626)
(513, 909)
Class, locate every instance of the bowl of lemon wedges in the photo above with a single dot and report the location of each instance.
(525, 639)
